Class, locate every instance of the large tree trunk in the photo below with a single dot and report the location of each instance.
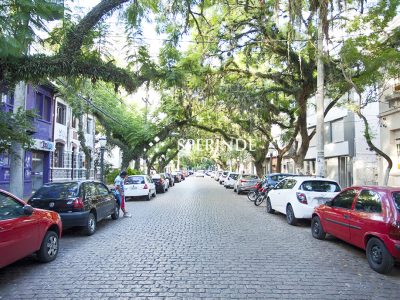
(259, 168)
(137, 163)
(86, 150)
(279, 159)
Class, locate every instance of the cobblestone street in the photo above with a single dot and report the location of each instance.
(199, 240)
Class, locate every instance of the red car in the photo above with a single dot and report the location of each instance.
(367, 217)
(25, 230)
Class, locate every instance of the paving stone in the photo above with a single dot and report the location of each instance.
(199, 241)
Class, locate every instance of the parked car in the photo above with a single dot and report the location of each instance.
(222, 177)
(273, 178)
(139, 186)
(161, 182)
(177, 177)
(199, 173)
(245, 183)
(182, 175)
(79, 203)
(217, 175)
(231, 179)
(25, 230)
(170, 179)
(296, 197)
(367, 217)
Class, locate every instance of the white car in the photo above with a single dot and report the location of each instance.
(222, 177)
(199, 173)
(230, 180)
(296, 197)
(139, 186)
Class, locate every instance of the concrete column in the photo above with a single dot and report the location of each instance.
(18, 153)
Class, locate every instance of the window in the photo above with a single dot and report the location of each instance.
(57, 191)
(8, 101)
(90, 189)
(345, 199)
(281, 184)
(135, 180)
(250, 177)
(9, 208)
(102, 190)
(74, 122)
(59, 156)
(234, 176)
(328, 133)
(369, 201)
(337, 131)
(43, 107)
(290, 183)
(89, 122)
(61, 113)
(320, 186)
(396, 198)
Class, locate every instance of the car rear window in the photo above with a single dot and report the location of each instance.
(57, 191)
(278, 177)
(396, 199)
(320, 186)
(135, 180)
(249, 177)
(225, 173)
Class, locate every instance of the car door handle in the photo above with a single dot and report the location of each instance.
(346, 217)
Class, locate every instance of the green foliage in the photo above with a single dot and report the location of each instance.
(15, 127)
(112, 174)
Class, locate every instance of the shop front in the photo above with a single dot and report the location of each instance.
(39, 164)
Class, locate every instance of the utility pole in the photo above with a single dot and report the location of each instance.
(320, 159)
(17, 156)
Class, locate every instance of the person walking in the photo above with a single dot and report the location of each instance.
(119, 189)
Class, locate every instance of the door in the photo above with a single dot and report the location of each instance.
(37, 170)
(106, 199)
(18, 232)
(367, 216)
(275, 195)
(91, 199)
(336, 219)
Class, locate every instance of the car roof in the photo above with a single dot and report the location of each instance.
(311, 178)
(377, 188)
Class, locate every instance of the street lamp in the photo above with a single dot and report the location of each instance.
(102, 142)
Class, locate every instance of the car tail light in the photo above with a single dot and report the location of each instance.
(78, 203)
(394, 230)
(145, 186)
(301, 197)
(243, 180)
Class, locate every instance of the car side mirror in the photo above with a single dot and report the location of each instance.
(28, 210)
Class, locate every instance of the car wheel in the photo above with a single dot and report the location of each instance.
(49, 249)
(91, 224)
(269, 207)
(379, 258)
(148, 197)
(239, 191)
(115, 214)
(234, 190)
(316, 228)
(154, 194)
(291, 219)
(163, 190)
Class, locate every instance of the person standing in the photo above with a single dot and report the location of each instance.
(119, 188)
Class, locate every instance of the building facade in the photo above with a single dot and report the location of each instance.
(37, 161)
(389, 108)
(68, 160)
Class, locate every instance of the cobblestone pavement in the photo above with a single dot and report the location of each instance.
(199, 240)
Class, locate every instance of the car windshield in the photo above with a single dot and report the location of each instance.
(135, 180)
(396, 198)
(250, 177)
(57, 191)
(225, 173)
(234, 176)
(320, 186)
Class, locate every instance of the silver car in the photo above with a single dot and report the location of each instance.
(245, 183)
